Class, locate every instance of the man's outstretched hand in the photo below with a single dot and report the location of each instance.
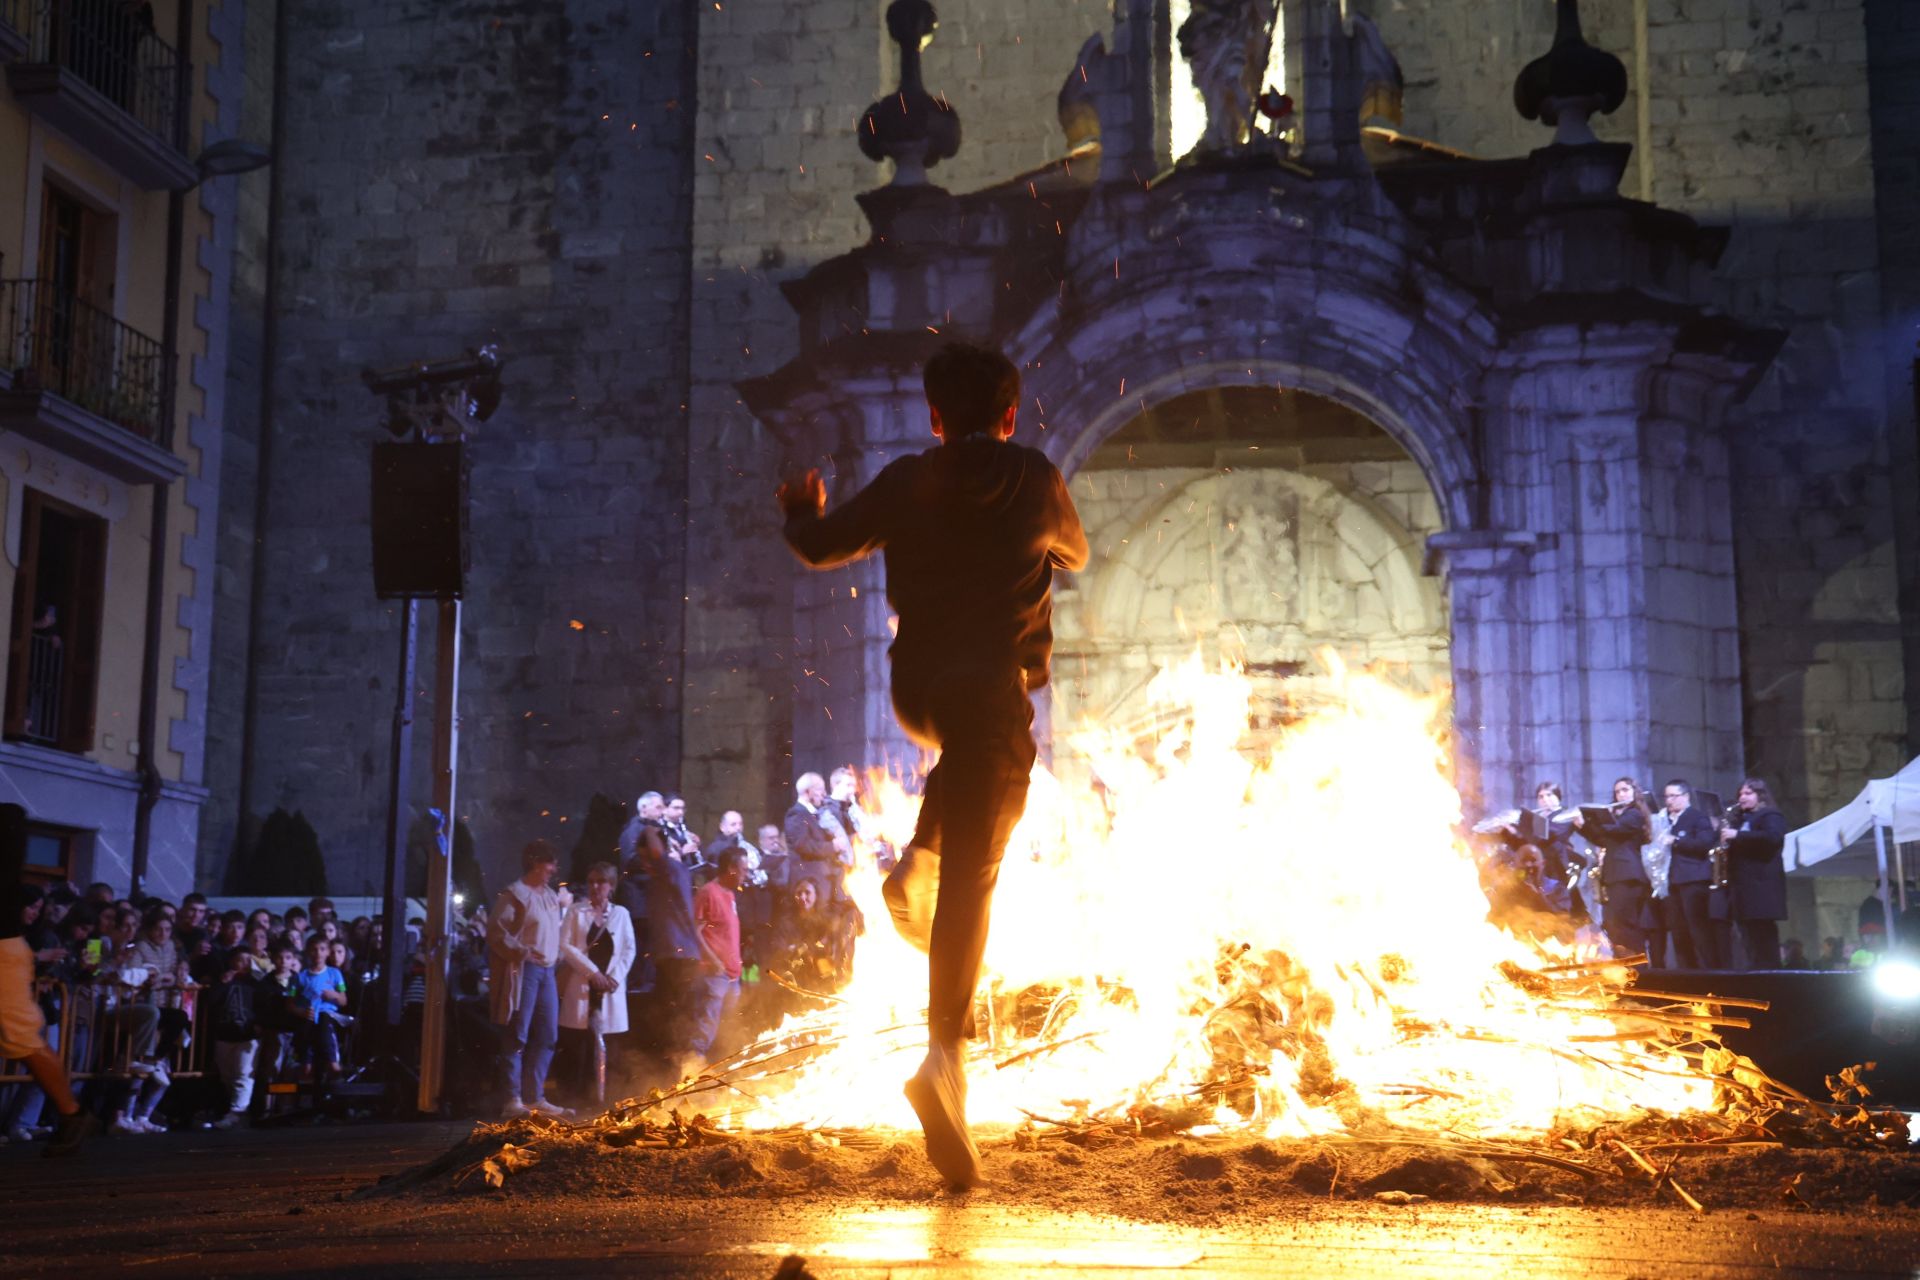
(805, 496)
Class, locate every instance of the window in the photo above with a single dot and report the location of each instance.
(53, 653)
(49, 854)
(69, 333)
(76, 248)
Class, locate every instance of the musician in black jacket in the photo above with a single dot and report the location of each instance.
(1629, 893)
(1690, 837)
(1569, 867)
(1757, 889)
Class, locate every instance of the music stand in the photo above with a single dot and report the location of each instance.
(1596, 815)
(1708, 802)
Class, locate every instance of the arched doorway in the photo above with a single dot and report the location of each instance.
(1254, 524)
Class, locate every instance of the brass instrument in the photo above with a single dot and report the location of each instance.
(1600, 860)
(1717, 856)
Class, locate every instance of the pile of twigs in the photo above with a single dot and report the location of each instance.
(1658, 1033)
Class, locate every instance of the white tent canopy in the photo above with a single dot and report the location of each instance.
(1887, 804)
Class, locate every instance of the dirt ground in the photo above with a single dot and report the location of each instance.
(1178, 1180)
(313, 1202)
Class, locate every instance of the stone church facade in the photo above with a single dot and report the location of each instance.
(1615, 438)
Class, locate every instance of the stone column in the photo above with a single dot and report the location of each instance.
(1132, 77)
(843, 711)
(1696, 725)
(1488, 578)
(1563, 425)
(1329, 85)
(1607, 449)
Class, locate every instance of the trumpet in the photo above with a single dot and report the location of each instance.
(1717, 856)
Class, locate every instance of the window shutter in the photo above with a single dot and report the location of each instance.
(89, 588)
(26, 589)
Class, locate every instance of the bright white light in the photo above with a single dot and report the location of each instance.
(1186, 109)
(1897, 979)
(459, 899)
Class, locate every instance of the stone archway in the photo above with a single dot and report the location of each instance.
(1254, 525)
(1589, 609)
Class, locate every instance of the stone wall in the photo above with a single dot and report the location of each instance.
(239, 460)
(1893, 62)
(777, 167)
(617, 194)
(511, 171)
(1460, 59)
(1760, 119)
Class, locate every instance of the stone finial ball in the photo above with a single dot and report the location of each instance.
(911, 22)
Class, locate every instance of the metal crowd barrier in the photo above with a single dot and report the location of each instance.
(98, 1023)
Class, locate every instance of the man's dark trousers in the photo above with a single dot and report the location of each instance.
(1625, 919)
(941, 893)
(1693, 936)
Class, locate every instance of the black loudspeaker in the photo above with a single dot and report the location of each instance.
(419, 520)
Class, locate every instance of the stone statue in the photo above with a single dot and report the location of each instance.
(1226, 43)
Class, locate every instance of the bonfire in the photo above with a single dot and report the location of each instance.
(1213, 930)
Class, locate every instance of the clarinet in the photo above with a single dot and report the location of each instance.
(1717, 856)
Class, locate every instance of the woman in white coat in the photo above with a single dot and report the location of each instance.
(597, 948)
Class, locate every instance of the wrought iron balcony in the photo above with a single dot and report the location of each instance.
(83, 382)
(96, 70)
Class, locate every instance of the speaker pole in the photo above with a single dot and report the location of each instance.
(394, 958)
(436, 945)
(428, 404)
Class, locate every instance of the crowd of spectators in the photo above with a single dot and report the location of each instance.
(677, 948)
(132, 984)
(668, 955)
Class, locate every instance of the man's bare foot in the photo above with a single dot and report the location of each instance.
(938, 1092)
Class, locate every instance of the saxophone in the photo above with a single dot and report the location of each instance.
(1717, 856)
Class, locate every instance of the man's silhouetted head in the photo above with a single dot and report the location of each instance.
(971, 391)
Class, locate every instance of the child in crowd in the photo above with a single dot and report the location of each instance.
(277, 996)
(339, 955)
(236, 1034)
(319, 1001)
(230, 936)
(259, 948)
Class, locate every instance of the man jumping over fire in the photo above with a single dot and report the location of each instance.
(972, 530)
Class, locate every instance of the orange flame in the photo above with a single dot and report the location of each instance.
(1279, 941)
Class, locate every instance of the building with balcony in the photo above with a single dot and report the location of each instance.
(115, 257)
